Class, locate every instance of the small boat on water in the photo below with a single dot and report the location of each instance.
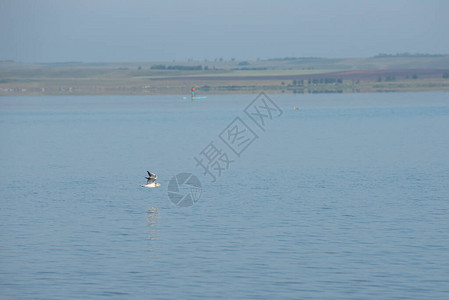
(193, 97)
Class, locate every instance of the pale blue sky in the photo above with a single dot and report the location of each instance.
(142, 30)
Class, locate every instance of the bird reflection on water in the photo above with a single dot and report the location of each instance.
(152, 217)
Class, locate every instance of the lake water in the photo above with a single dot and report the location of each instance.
(345, 198)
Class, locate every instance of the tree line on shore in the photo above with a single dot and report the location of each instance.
(179, 67)
(317, 81)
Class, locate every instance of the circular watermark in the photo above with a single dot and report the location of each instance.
(184, 189)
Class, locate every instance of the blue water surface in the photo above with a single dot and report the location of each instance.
(345, 198)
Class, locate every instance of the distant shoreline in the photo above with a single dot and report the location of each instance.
(356, 75)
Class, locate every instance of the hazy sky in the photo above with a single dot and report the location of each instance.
(148, 30)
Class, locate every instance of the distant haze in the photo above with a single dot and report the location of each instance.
(146, 30)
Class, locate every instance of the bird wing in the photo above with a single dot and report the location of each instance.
(151, 177)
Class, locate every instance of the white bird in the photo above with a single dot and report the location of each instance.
(151, 181)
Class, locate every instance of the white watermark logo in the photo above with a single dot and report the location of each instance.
(184, 189)
(217, 156)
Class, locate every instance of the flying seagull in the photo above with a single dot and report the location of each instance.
(151, 180)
